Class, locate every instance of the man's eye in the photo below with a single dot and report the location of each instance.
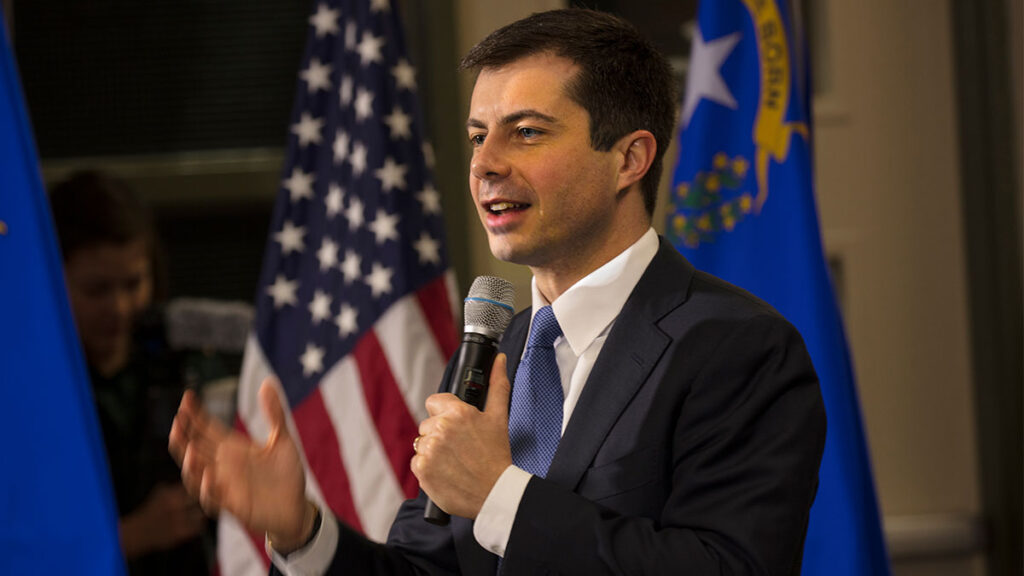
(476, 139)
(529, 133)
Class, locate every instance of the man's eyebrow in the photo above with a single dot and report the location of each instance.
(515, 117)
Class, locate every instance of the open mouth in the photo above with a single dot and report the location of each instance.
(505, 207)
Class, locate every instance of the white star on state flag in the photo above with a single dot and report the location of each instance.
(283, 291)
(358, 159)
(379, 280)
(391, 175)
(704, 78)
(354, 213)
(351, 266)
(312, 360)
(345, 92)
(325, 20)
(341, 141)
(320, 307)
(346, 321)
(384, 227)
(380, 5)
(400, 123)
(299, 185)
(430, 199)
(317, 76)
(327, 254)
(370, 48)
(333, 201)
(308, 129)
(428, 249)
(405, 75)
(290, 238)
(364, 104)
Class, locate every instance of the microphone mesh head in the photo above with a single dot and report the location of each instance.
(490, 304)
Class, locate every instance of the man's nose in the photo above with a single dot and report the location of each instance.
(489, 161)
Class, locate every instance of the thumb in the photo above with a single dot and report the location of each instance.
(273, 411)
(500, 388)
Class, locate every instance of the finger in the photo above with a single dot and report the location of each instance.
(433, 425)
(177, 440)
(204, 445)
(199, 424)
(416, 467)
(208, 497)
(186, 405)
(438, 403)
(273, 410)
(500, 389)
(192, 468)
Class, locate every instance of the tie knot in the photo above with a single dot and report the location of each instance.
(545, 328)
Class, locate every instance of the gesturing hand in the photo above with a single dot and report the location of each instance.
(462, 451)
(263, 486)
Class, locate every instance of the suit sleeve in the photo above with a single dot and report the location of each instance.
(745, 446)
(413, 549)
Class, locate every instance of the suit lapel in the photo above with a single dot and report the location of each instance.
(634, 345)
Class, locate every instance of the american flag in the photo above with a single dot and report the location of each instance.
(353, 310)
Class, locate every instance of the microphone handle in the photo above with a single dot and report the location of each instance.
(469, 382)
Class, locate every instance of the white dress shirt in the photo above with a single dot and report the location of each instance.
(586, 313)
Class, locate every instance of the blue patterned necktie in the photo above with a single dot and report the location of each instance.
(535, 416)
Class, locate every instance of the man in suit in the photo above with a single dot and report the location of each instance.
(687, 425)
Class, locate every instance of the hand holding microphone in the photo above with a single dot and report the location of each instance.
(460, 447)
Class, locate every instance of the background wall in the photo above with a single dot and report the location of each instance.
(888, 189)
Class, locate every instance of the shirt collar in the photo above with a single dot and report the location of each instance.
(589, 306)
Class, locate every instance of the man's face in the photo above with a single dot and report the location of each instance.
(109, 285)
(546, 198)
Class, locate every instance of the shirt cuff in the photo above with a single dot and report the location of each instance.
(493, 524)
(314, 558)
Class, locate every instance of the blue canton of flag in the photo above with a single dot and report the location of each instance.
(354, 312)
(56, 499)
(743, 209)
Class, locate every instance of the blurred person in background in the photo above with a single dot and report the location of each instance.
(109, 244)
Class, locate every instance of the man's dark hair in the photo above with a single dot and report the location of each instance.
(91, 208)
(624, 83)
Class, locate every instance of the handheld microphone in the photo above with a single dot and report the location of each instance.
(488, 310)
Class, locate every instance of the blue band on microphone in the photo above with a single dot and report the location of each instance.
(489, 301)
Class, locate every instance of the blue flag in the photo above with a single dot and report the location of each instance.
(56, 500)
(743, 209)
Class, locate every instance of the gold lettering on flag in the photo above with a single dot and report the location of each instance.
(772, 134)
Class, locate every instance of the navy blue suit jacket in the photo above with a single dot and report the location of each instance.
(694, 449)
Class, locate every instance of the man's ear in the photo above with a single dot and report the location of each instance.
(637, 150)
